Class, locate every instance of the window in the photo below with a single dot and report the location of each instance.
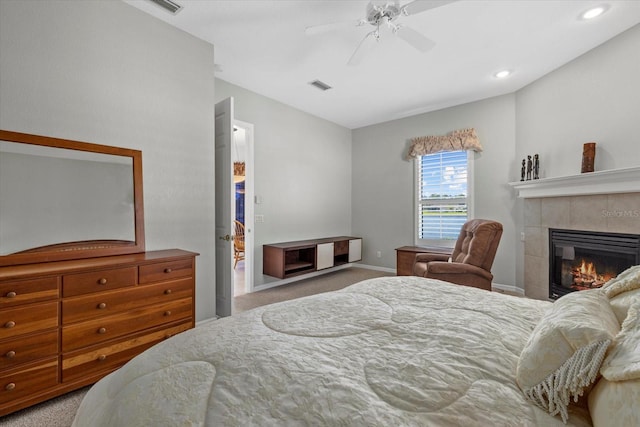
(443, 202)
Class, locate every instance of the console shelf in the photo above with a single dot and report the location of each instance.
(288, 259)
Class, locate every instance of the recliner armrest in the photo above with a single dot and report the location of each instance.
(429, 257)
(439, 267)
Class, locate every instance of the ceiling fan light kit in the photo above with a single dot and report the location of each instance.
(386, 13)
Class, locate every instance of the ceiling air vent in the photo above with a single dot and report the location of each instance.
(168, 5)
(320, 85)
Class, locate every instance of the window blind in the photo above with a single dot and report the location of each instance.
(442, 195)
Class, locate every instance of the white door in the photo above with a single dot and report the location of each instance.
(324, 255)
(225, 206)
(355, 250)
(248, 204)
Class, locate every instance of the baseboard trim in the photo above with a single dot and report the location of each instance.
(277, 283)
(507, 288)
(375, 267)
(203, 321)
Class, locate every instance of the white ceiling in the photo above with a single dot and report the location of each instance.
(261, 45)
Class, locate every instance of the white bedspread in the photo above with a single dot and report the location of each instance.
(393, 351)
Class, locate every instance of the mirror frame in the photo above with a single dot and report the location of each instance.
(88, 248)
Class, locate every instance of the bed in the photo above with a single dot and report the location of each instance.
(391, 351)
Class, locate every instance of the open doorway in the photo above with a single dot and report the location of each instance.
(242, 209)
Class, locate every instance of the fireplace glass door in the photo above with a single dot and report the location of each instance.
(581, 260)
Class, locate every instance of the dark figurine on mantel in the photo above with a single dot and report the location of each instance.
(530, 167)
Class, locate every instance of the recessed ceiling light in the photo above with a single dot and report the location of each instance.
(594, 12)
(502, 74)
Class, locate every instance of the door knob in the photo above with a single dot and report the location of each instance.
(225, 238)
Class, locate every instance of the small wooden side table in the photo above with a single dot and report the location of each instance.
(406, 255)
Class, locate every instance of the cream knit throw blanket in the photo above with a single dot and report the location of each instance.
(569, 380)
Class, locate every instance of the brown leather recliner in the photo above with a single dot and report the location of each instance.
(472, 256)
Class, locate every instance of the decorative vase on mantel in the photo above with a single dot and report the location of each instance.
(588, 157)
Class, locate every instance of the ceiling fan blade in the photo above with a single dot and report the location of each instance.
(366, 43)
(418, 6)
(325, 28)
(415, 39)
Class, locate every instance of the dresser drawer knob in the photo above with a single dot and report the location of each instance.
(167, 291)
(168, 270)
(10, 324)
(102, 305)
(11, 294)
(10, 354)
(167, 313)
(102, 330)
(102, 357)
(102, 281)
(10, 386)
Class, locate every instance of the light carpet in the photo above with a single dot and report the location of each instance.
(60, 411)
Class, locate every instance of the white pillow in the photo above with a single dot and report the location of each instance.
(623, 361)
(564, 353)
(615, 403)
(622, 302)
(623, 282)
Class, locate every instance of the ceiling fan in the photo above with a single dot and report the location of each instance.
(385, 13)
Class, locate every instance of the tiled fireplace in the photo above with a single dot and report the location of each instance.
(595, 203)
(581, 260)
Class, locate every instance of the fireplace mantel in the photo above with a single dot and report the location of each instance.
(625, 180)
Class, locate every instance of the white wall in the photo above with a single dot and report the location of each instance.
(595, 98)
(383, 189)
(39, 200)
(107, 73)
(302, 172)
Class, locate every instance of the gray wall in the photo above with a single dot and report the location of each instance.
(302, 172)
(105, 72)
(44, 203)
(595, 98)
(383, 189)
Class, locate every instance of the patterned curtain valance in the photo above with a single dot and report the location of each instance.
(464, 139)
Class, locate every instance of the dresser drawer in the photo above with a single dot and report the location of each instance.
(98, 281)
(27, 349)
(29, 380)
(23, 320)
(111, 327)
(103, 359)
(166, 270)
(27, 291)
(106, 303)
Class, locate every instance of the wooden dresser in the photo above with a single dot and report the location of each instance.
(67, 324)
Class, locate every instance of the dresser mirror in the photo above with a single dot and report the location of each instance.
(62, 199)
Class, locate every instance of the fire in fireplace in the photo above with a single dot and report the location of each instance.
(585, 276)
(581, 260)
